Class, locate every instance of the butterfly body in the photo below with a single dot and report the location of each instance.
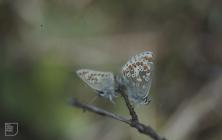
(135, 77)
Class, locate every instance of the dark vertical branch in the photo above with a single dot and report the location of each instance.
(122, 90)
(132, 112)
(147, 130)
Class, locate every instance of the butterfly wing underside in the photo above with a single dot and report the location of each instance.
(137, 76)
(102, 82)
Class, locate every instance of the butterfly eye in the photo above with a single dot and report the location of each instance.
(101, 93)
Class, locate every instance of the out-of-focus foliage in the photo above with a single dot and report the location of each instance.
(43, 43)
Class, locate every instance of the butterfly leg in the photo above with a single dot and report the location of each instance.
(111, 99)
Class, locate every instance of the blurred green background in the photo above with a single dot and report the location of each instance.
(43, 43)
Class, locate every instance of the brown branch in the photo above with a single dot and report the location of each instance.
(99, 111)
(147, 130)
(134, 122)
(133, 114)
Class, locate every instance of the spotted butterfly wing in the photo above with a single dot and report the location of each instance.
(102, 82)
(137, 77)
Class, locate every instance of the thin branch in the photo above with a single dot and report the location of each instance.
(147, 130)
(133, 114)
(99, 111)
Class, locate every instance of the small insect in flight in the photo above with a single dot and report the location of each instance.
(135, 76)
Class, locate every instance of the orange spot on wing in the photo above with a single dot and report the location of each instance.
(130, 67)
(149, 59)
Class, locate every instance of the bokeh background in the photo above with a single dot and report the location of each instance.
(43, 43)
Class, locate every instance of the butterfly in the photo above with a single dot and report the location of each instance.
(135, 76)
(102, 82)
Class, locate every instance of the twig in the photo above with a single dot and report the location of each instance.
(147, 130)
(133, 114)
(99, 111)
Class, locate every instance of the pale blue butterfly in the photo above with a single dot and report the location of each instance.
(136, 76)
(102, 82)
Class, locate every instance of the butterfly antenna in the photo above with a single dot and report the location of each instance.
(92, 99)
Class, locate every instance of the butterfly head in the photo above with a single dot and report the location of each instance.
(107, 94)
